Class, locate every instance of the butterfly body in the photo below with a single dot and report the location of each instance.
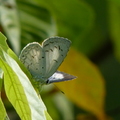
(43, 60)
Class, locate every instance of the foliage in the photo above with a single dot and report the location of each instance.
(19, 89)
(93, 27)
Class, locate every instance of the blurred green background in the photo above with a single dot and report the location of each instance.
(93, 26)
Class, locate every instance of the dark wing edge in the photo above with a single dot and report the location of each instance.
(59, 77)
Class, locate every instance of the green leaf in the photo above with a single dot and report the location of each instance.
(36, 22)
(10, 23)
(19, 90)
(114, 13)
(1, 74)
(3, 41)
(47, 116)
(74, 18)
(80, 21)
(5, 47)
(21, 93)
(115, 1)
(3, 44)
(3, 114)
(1, 79)
(15, 92)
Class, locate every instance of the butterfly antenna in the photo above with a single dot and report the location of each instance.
(59, 89)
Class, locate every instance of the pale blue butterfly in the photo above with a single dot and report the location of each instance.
(42, 61)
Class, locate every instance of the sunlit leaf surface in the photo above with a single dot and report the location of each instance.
(19, 90)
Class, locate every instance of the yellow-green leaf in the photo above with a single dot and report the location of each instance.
(3, 113)
(15, 92)
(88, 90)
(114, 14)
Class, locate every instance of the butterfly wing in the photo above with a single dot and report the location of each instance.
(43, 61)
(55, 49)
(59, 76)
(32, 56)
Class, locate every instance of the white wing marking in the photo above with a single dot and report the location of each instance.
(59, 76)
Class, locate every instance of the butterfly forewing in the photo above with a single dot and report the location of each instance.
(55, 51)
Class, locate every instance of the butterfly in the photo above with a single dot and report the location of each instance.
(42, 61)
